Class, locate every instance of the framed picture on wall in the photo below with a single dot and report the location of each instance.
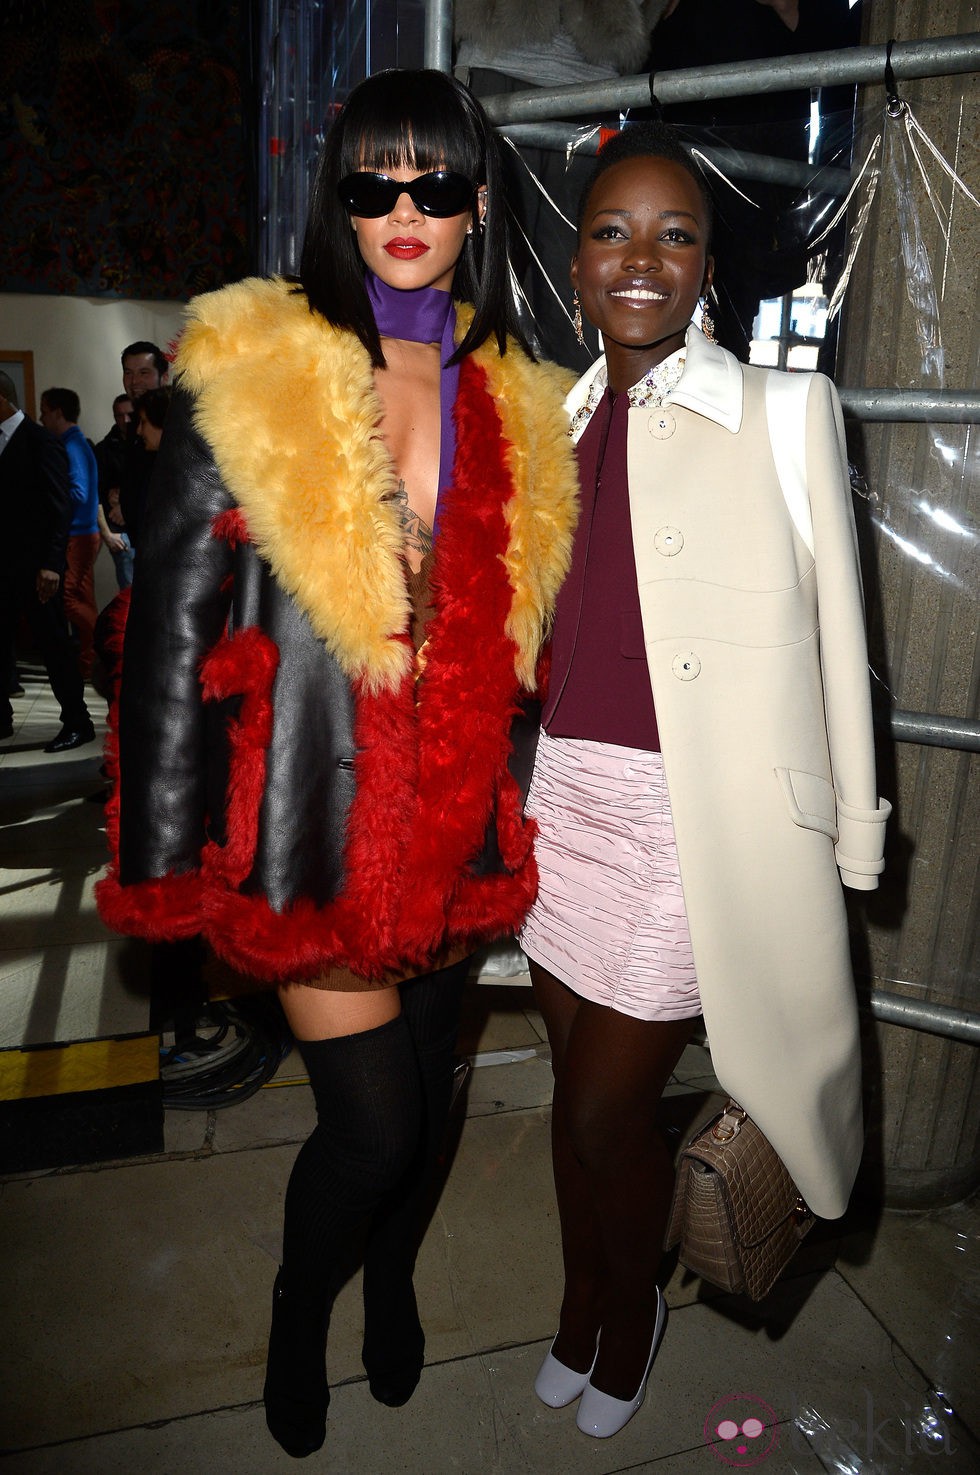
(19, 364)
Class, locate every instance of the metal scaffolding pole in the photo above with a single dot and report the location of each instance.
(438, 48)
(938, 57)
(935, 731)
(934, 1019)
(735, 163)
(934, 406)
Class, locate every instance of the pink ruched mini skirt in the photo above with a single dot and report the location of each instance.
(609, 920)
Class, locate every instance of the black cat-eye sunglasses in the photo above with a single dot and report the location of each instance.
(440, 193)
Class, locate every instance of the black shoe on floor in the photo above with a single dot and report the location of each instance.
(71, 737)
(296, 1395)
(394, 1359)
(6, 731)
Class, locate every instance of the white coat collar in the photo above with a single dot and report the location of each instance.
(711, 384)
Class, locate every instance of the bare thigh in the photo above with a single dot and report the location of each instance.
(328, 1014)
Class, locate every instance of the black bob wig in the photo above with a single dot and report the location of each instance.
(425, 120)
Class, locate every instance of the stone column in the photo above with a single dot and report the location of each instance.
(919, 932)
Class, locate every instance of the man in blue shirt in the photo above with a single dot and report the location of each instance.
(59, 416)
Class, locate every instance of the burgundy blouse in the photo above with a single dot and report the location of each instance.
(600, 686)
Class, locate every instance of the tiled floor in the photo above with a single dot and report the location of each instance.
(135, 1295)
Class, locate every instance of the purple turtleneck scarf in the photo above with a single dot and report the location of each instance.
(424, 315)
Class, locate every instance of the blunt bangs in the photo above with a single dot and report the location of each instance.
(397, 119)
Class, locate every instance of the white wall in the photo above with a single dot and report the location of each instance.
(76, 343)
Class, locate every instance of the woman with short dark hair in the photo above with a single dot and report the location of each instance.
(361, 515)
(705, 777)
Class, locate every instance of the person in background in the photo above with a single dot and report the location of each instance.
(358, 521)
(36, 509)
(145, 367)
(705, 777)
(60, 409)
(151, 415)
(110, 454)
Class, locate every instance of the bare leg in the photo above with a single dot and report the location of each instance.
(614, 1177)
(323, 1014)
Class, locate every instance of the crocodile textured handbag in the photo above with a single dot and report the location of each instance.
(737, 1215)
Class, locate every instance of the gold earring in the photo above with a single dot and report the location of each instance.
(707, 322)
(577, 318)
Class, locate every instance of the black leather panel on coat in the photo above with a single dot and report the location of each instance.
(309, 782)
(179, 606)
(190, 590)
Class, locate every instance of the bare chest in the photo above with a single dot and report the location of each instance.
(410, 427)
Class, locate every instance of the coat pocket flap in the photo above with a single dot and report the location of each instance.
(811, 800)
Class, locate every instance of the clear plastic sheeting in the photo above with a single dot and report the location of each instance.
(778, 193)
(885, 1443)
(791, 221)
(311, 53)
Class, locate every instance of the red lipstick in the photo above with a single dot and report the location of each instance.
(405, 248)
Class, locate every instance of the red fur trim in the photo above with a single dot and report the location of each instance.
(116, 614)
(515, 834)
(114, 641)
(160, 910)
(466, 696)
(359, 927)
(231, 526)
(165, 908)
(244, 665)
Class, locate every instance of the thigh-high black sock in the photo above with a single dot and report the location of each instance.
(394, 1343)
(367, 1095)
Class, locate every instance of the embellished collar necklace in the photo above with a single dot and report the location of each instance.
(652, 390)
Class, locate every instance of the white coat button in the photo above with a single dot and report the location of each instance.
(661, 424)
(668, 541)
(686, 666)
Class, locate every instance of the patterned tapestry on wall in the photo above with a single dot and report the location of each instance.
(121, 147)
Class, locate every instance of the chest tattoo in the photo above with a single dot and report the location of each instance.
(418, 534)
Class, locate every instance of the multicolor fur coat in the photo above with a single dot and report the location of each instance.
(288, 785)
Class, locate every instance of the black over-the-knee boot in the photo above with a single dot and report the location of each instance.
(367, 1095)
(394, 1343)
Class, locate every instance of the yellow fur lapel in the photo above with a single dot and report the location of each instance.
(542, 513)
(287, 404)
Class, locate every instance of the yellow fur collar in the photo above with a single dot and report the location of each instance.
(287, 404)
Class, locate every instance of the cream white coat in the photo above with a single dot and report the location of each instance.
(753, 623)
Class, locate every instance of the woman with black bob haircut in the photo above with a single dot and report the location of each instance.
(359, 520)
(704, 780)
(427, 121)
